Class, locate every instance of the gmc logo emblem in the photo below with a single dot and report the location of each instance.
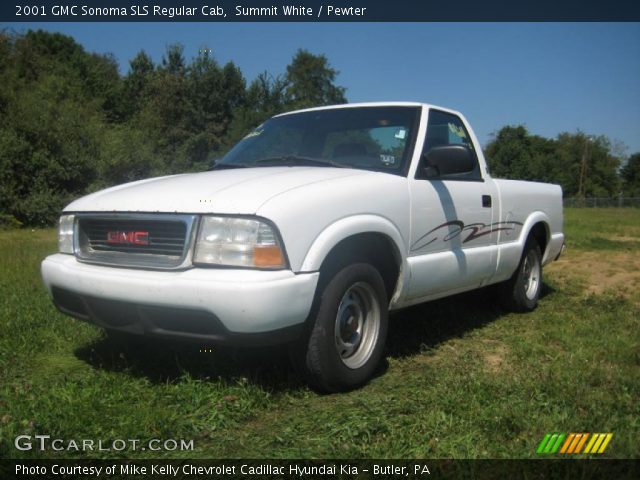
(131, 238)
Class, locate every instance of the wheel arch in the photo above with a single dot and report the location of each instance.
(365, 236)
(537, 226)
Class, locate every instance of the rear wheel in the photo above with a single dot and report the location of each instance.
(522, 290)
(346, 340)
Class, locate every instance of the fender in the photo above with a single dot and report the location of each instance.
(509, 253)
(533, 219)
(553, 241)
(353, 225)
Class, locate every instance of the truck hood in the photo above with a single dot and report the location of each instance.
(238, 191)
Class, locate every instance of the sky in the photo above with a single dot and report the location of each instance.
(551, 77)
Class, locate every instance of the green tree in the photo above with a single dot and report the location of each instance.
(630, 174)
(264, 98)
(586, 165)
(215, 95)
(582, 164)
(310, 81)
(70, 123)
(49, 142)
(52, 124)
(127, 153)
(136, 84)
(173, 60)
(515, 153)
(40, 53)
(164, 116)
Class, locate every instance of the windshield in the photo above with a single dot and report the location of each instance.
(370, 138)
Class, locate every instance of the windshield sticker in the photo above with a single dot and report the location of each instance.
(459, 131)
(401, 134)
(388, 160)
(255, 133)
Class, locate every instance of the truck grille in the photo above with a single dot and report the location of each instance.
(135, 240)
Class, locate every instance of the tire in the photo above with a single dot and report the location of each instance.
(522, 290)
(347, 331)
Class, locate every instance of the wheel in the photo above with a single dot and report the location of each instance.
(522, 291)
(346, 339)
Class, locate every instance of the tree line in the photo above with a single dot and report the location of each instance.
(70, 123)
(584, 165)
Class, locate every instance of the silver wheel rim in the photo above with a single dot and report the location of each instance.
(531, 274)
(357, 325)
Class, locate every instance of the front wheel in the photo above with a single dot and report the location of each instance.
(346, 340)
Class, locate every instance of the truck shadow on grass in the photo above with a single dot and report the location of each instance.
(429, 324)
(411, 331)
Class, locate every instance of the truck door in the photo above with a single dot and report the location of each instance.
(453, 237)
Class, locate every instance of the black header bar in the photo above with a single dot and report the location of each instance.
(319, 11)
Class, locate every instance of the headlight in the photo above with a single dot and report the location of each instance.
(65, 234)
(239, 242)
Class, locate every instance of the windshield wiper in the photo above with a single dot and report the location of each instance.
(226, 166)
(299, 160)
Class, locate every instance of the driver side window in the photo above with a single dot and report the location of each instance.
(447, 129)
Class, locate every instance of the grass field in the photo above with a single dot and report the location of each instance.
(462, 377)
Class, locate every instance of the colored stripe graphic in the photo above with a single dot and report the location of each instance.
(574, 443)
(543, 443)
(598, 442)
(558, 442)
(591, 442)
(582, 440)
(567, 443)
(606, 442)
(551, 443)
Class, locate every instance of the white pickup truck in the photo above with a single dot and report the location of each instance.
(308, 232)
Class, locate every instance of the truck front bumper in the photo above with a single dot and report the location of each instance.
(220, 306)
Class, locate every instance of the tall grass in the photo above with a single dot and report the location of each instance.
(462, 377)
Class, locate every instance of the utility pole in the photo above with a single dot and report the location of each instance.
(583, 167)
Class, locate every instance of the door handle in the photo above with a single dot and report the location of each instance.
(486, 201)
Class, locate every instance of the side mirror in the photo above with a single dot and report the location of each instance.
(448, 160)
